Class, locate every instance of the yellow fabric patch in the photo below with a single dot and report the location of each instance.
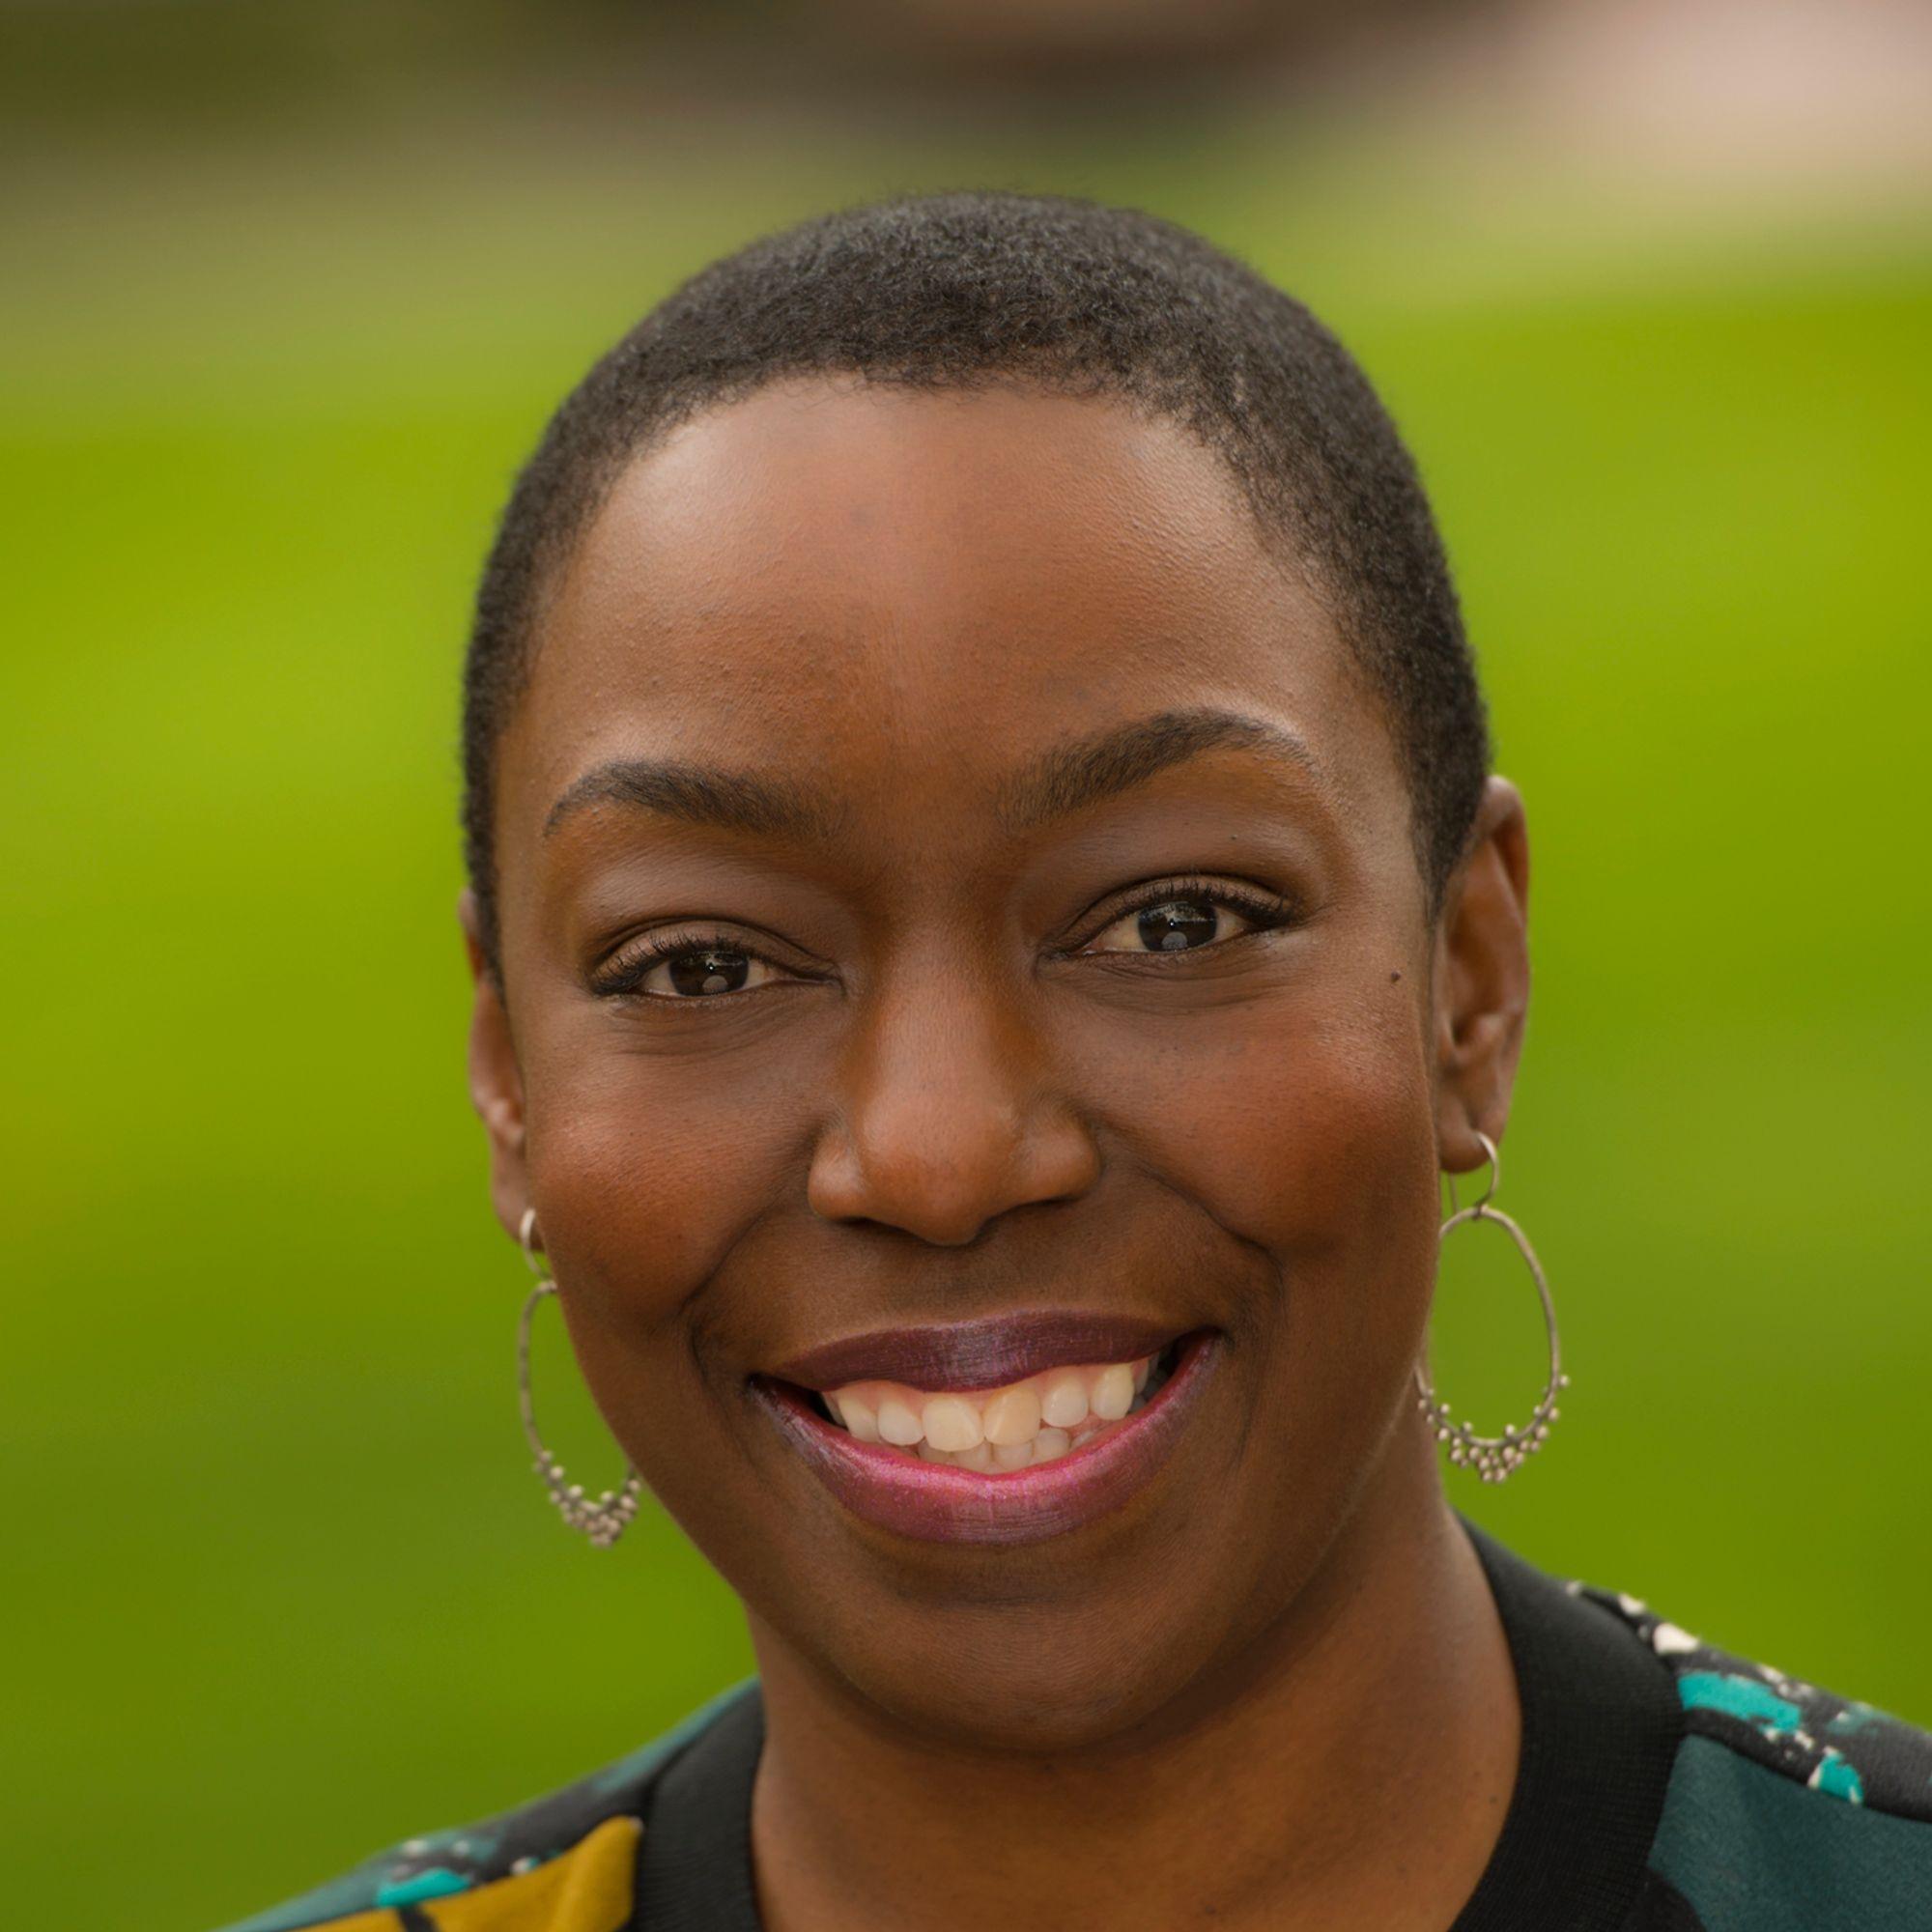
(587, 1890)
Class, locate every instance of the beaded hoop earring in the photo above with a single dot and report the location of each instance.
(1496, 1457)
(602, 1519)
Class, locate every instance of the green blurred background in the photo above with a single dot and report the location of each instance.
(292, 290)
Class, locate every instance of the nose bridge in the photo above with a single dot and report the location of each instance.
(945, 1115)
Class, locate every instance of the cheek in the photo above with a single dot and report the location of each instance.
(647, 1168)
(1305, 1126)
(647, 1171)
(1296, 1117)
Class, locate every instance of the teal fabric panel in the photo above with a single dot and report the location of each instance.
(353, 1892)
(1754, 1850)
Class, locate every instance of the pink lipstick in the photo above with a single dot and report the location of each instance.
(1096, 1464)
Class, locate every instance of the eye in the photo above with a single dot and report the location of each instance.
(704, 973)
(684, 967)
(1180, 924)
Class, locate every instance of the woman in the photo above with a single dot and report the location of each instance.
(991, 916)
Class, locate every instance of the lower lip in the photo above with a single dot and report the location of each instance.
(941, 1504)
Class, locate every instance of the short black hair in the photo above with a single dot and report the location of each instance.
(966, 290)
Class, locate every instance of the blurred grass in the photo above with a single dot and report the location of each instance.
(279, 1585)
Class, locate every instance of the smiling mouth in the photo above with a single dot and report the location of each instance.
(997, 1431)
(1004, 1432)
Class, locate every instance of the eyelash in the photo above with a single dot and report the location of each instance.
(625, 973)
(1265, 912)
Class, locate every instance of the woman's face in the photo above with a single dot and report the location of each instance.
(959, 923)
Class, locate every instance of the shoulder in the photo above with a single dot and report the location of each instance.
(1788, 1805)
(564, 1863)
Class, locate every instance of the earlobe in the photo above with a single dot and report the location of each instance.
(496, 1081)
(1482, 979)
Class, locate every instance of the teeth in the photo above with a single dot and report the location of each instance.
(952, 1423)
(1064, 1401)
(1011, 1418)
(1006, 1429)
(1113, 1392)
(899, 1423)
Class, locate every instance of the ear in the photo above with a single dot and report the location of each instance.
(495, 1083)
(1481, 980)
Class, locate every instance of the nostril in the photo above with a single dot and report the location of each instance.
(941, 1156)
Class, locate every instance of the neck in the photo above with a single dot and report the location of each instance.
(1359, 1775)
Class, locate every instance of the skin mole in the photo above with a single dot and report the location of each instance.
(908, 714)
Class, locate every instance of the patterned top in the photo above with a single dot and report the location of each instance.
(1665, 1787)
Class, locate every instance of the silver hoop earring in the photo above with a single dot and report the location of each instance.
(1496, 1457)
(602, 1518)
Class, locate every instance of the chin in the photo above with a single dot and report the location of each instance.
(1040, 1682)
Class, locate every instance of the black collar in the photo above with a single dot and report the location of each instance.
(695, 1865)
(1600, 1724)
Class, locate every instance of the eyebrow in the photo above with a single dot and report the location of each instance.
(696, 795)
(1071, 777)
(1067, 778)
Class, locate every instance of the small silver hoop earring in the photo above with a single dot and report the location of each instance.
(1496, 1457)
(602, 1518)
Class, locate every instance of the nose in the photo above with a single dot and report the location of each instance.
(946, 1119)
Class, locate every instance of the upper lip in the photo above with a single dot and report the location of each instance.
(986, 1352)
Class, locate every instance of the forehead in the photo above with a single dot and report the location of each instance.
(905, 594)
